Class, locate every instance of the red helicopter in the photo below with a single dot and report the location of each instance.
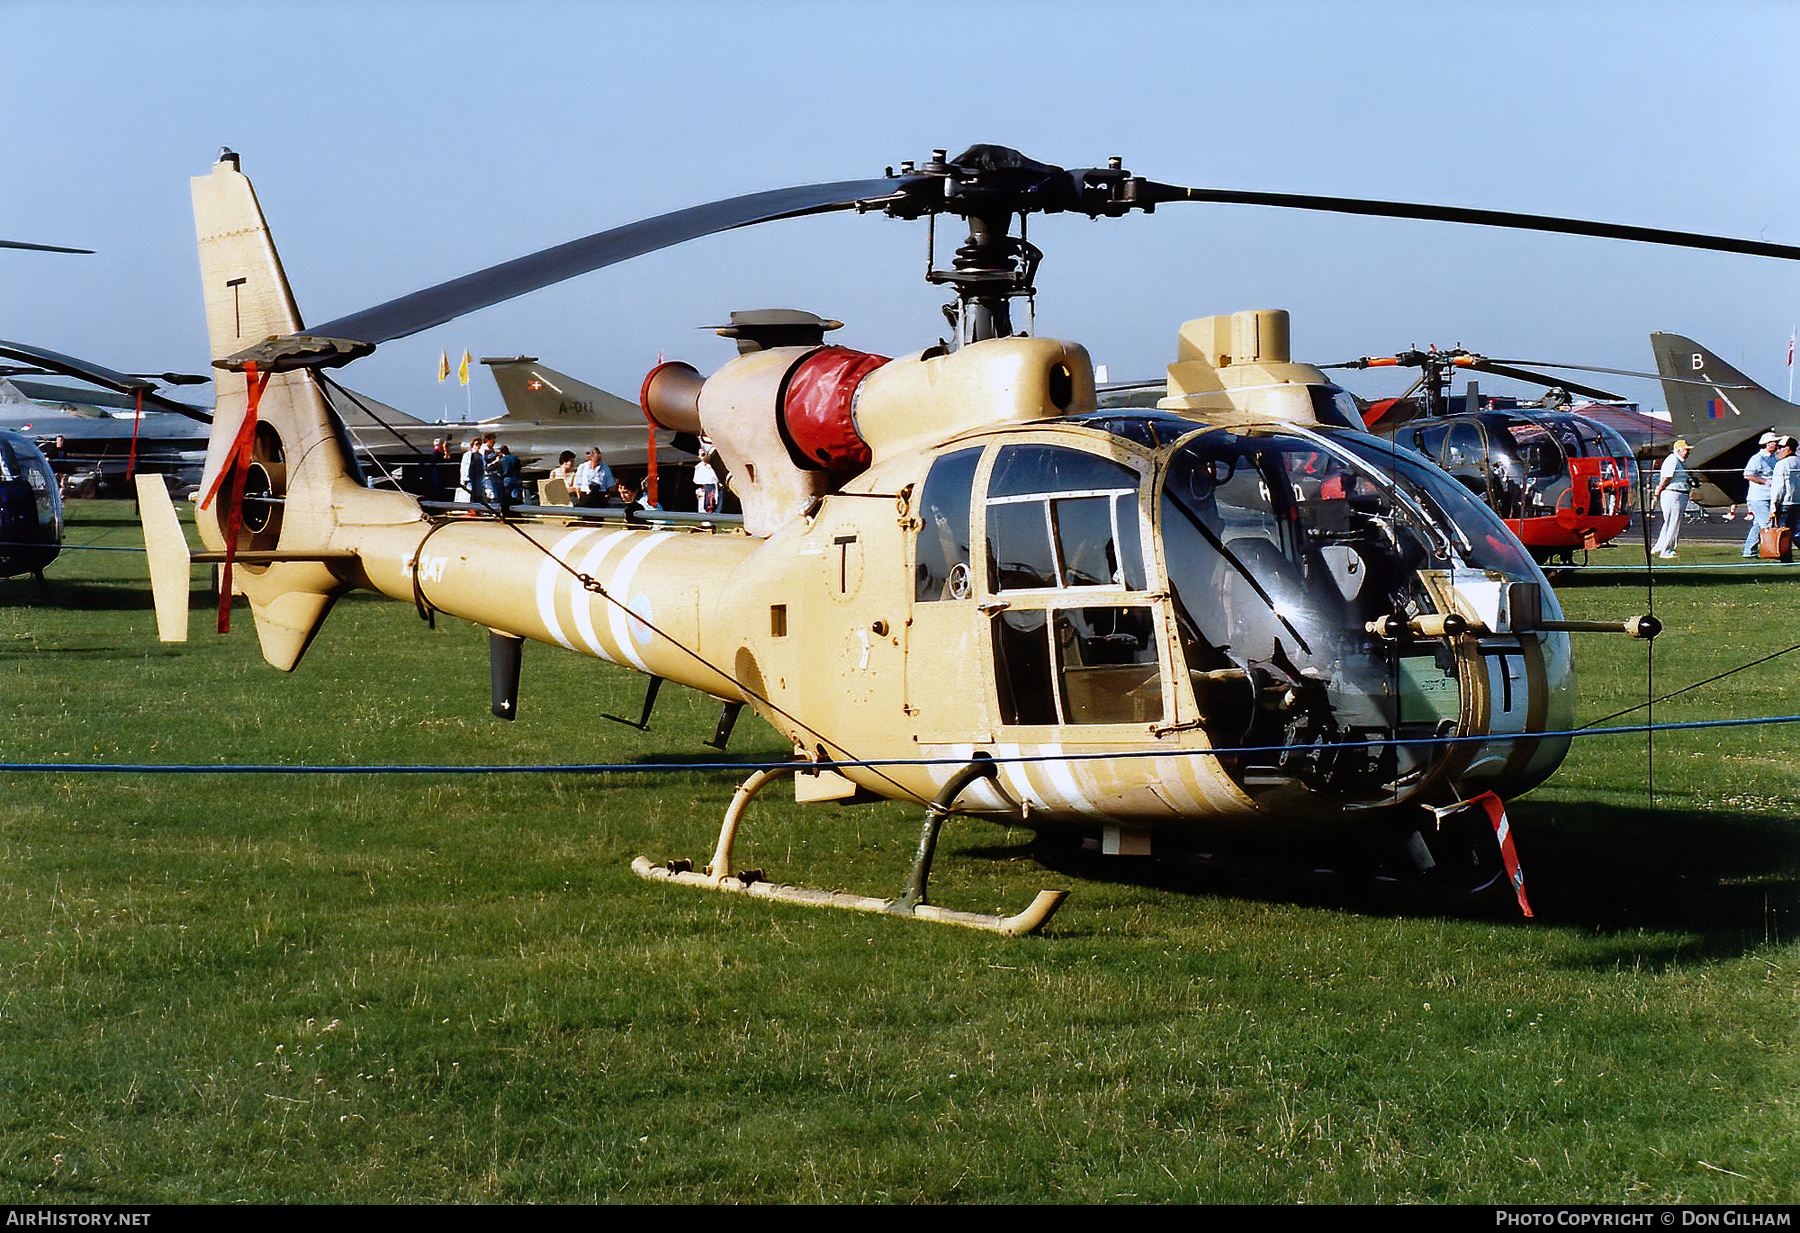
(1560, 481)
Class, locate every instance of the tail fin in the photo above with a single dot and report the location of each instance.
(300, 469)
(166, 548)
(1709, 398)
(533, 392)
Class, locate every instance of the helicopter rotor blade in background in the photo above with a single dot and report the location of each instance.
(435, 305)
(1627, 372)
(106, 378)
(1493, 366)
(1520, 374)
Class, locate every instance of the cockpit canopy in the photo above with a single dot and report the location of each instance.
(1264, 555)
(1531, 465)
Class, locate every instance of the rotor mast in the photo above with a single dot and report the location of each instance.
(987, 186)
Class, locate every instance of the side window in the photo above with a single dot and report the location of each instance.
(941, 550)
(1465, 449)
(1108, 667)
(1077, 666)
(1022, 667)
(1059, 517)
(1429, 440)
(1061, 521)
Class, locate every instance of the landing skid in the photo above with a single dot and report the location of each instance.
(720, 875)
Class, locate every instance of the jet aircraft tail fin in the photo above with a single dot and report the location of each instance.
(532, 391)
(1708, 397)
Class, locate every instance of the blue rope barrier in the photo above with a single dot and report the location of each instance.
(625, 768)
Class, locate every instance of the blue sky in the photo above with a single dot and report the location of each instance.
(398, 144)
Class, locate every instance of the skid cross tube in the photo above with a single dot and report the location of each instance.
(720, 875)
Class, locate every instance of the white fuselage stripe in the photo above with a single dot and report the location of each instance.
(583, 603)
(619, 587)
(548, 573)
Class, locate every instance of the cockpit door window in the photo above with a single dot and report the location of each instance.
(941, 557)
(1062, 529)
(1061, 518)
(1078, 665)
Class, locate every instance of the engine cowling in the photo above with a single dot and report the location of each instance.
(793, 423)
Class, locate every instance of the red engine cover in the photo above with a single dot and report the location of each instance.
(816, 408)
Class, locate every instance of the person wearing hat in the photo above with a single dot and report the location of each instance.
(1784, 490)
(1757, 493)
(1672, 488)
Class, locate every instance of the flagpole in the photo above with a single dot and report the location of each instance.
(1791, 335)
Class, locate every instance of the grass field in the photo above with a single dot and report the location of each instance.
(435, 988)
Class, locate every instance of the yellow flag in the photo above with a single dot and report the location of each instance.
(443, 366)
(463, 372)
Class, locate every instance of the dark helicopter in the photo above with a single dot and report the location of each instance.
(31, 515)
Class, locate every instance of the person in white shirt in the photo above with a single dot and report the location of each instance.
(1673, 485)
(1757, 493)
(706, 479)
(473, 473)
(593, 483)
(1784, 491)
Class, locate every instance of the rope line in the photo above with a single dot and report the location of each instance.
(1650, 702)
(846, 763)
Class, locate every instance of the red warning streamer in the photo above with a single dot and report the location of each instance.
(1496, 812)
(131, 461)
(237, 466)
(650, 487)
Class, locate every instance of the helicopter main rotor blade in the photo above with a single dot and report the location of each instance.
(1156, 193)
(435, 305)
(106, 378)
(1538, 378)
(42, 248)
(1629, 372)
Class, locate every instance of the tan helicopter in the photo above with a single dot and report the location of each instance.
(956, 582)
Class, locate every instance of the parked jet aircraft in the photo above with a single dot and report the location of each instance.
(548, 412)
(1720, 411)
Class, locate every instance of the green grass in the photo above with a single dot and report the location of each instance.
(451, 988)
